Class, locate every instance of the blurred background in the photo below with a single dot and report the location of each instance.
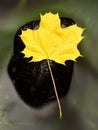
(80, 107)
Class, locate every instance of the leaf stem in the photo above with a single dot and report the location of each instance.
(58, 101)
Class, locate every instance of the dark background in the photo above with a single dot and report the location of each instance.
(80, 107)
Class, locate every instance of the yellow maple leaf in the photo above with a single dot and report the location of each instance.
(51, 41)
